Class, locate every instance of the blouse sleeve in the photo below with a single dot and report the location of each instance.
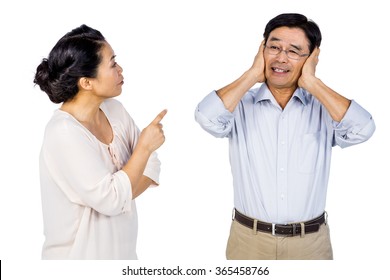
(75, 163)
(152, 169)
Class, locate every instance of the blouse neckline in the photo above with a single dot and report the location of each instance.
(88, 131)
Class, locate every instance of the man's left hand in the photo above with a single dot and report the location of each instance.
(309, 69)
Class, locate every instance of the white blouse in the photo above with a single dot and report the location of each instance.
(88, 210)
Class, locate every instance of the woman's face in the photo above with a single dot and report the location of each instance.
(109, 80)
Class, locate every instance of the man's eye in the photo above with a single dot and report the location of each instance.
(275, 48)
(293, 52)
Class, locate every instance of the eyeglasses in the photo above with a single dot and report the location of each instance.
(293, 54)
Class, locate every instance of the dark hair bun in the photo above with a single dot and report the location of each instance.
(42, 75)
(49, 84)
(76, 55)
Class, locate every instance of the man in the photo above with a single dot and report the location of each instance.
(280, 138)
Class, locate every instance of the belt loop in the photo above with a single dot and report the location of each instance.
(294, 229)
(273, 229)
(302, 230)
(233, 214)
(326, 218)
(255, 227)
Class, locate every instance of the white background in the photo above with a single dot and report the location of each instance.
(173, 54)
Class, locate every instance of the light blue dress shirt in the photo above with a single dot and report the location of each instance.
(280, 158)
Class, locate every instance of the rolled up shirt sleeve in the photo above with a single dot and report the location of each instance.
(356, 127)
(213, 117)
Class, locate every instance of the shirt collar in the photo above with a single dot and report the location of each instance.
(265, 94)
(301, 94)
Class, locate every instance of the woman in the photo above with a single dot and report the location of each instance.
(94, 161)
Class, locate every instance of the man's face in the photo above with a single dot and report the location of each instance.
(281, 71)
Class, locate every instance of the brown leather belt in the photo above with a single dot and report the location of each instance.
(276, 229)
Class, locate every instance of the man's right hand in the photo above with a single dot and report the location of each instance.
(232, 93)
(258, 65)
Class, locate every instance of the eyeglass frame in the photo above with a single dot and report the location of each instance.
(286, 51)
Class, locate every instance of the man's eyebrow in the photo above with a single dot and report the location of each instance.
(296, 47)
(275, 39)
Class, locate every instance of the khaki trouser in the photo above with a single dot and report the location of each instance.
(246, 244)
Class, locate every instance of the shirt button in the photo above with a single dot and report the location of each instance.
(282, 196)
(281, 169)
(283, 142)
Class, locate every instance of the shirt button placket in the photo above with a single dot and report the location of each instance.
(282, 165)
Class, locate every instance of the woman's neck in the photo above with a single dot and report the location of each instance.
(84, 109)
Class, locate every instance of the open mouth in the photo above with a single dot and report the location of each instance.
(279, 70)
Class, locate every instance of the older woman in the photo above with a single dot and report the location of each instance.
(94, 161)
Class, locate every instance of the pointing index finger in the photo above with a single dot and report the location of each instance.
(160, 116)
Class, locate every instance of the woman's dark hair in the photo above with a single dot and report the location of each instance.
(308, 26)
(76, 55)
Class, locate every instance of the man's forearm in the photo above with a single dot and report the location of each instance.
(232, 93)
(336, 104)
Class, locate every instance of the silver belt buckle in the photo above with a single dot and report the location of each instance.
(273, 229)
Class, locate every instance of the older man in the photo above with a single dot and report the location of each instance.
(281, 137)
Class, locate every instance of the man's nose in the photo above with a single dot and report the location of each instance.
(282, 56)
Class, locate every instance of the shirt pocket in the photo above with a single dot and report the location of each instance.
(308, 152)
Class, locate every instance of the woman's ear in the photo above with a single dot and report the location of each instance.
(85, 83)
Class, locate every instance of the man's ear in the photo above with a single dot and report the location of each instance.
(85, 83)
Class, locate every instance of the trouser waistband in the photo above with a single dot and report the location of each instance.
(279, 229)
